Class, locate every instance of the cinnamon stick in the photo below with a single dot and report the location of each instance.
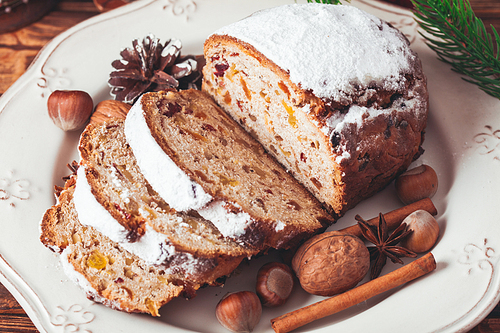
(395, 217)
(295, 319)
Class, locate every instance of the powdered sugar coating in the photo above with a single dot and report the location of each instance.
(172, 184)
(166, 178)
(229, 224)
(152, 246)
(331, 50)
(353, 120)
(279, 226)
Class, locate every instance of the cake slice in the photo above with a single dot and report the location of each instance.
(108, 273)
(135, 211)
(153, 247)
(335, 94)
(197, 158)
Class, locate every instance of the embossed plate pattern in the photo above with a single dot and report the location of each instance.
(462, 144)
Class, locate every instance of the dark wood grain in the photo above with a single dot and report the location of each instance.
(12, 316)
(19, 48)
(24, 13)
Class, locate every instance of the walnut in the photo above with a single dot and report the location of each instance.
(331, 263)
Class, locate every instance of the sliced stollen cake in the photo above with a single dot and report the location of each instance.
(334, 93)
(197, 158)
(108, 273)
(112, 196)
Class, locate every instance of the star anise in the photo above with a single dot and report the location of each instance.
(385, 244)
(151, 66)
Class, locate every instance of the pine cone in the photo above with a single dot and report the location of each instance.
(151, 66)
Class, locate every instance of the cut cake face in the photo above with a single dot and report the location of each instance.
(118, 185)
(107, 273)
(185, 140)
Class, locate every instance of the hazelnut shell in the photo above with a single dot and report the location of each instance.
(108, 110)
(70, 109)
(275, 282)
(415, 184)
(425, 231)
(239, 311)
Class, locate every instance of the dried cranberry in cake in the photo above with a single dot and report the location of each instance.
(345, 117)
(220, 69)
(169, 109)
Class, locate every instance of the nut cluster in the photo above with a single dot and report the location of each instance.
(241, 311)
(413, 185)
(71, 109)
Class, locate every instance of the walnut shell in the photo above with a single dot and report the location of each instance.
(109, 109)
(331, 263)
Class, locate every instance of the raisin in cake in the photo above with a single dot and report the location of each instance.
(113, 196)
(334, 93)
(108, 273)
(197, 158)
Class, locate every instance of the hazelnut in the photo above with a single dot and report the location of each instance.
(416, 184)
(109, 109)
(425, 231)
(239, 311)
(274, 283)
(70, 109)
(331, 263)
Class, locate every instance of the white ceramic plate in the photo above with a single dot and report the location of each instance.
(462, 143)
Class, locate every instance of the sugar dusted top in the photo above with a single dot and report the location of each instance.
(329, 49)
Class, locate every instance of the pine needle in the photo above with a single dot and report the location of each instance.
(331, 2)
(459, 38)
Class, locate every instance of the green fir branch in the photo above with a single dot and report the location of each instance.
(331, 2)
(460, 39)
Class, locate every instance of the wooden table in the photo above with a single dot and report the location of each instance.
(19, 48)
